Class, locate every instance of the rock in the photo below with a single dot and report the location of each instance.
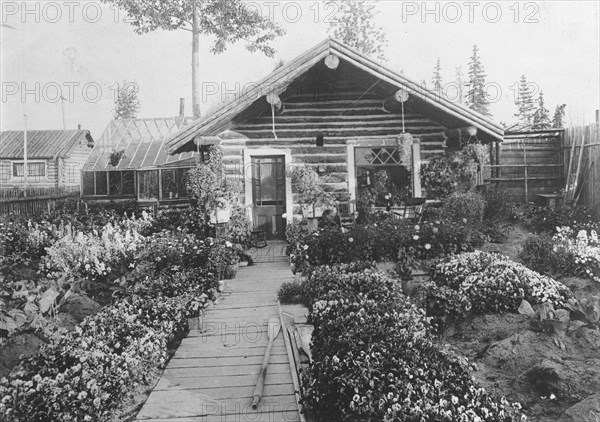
(79, 306)
(587, 410)
(25, 344)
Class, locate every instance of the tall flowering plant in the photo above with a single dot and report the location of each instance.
(584, 247)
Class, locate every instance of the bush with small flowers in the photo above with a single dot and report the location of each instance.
(480, 282)
(373, 359)
(385, 240)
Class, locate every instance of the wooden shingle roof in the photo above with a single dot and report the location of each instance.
(453, 114)
(42, 144)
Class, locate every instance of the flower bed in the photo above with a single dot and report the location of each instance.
(88, 374)
(386, 240)
(373, 358)
(564, 254)
(157, 282)
(479, 282)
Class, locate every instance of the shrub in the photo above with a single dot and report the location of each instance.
(547, 219)
(583, 247)
(386, 240)
(499, 205)
(542, 254)
(480, 282)
(466, 207)
(291, 292)
(443, 175)
(373, 360)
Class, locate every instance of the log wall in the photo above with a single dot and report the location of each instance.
(340, 118)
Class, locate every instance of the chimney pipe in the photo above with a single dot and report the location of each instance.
(78, 126)
(182, 108)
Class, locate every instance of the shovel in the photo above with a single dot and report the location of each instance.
(274, 328)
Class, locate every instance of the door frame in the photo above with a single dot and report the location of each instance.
(262, 152)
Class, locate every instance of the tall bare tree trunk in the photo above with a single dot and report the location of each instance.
(195, 64)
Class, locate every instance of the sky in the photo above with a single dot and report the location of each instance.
(84, 50)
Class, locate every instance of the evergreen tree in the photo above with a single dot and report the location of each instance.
(437, 77)
(460, 82)
(525, 102)
(127, 103)
(355, 27)
(476, 98)
(558, 120)
(541, 117)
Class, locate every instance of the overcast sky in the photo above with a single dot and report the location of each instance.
(85, 49)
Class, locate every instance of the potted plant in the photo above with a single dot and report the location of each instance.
(210, 190)
(313, 199)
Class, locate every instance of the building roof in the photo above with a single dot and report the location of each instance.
(142, 142)
(454, 115)
(42, 144)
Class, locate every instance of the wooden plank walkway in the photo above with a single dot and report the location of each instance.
(212, 375)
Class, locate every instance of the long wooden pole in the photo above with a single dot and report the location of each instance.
(571, 156)
(273, 328)
(525, 169)
(25, 155)
(578, 165)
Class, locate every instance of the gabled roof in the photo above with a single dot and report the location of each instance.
(282, 77)
(42, 144)
(142, 142)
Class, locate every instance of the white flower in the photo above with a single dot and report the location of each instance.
(305, 247)
(228, 244)
(284, 215)
(415, 237)
(427, 246)
(350, 240)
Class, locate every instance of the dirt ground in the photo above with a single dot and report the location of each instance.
(516, 359)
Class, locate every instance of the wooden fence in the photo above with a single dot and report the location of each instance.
(581, 158)
(528, 164)
(10, 192)
(46, 200)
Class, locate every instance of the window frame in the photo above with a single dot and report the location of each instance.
(15, 177)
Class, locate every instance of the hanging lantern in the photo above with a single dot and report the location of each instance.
(401, 95)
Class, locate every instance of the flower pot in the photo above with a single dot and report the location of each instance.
(312, 224)
(222, 215)
(309, 212)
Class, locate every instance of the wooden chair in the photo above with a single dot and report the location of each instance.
(258, 237)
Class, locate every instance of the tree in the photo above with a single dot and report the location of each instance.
(354, 25)
(127, 103)
(558, 120)
(226, 21)
(525, 102)
(459, 76)
(541, 117)
(476, 96)
(437, 77)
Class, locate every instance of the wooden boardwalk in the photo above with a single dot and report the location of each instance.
(212, 375)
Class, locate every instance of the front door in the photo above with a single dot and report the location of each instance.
(268, 195)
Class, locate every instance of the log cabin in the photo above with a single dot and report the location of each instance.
(54, 158)
(338, 111)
